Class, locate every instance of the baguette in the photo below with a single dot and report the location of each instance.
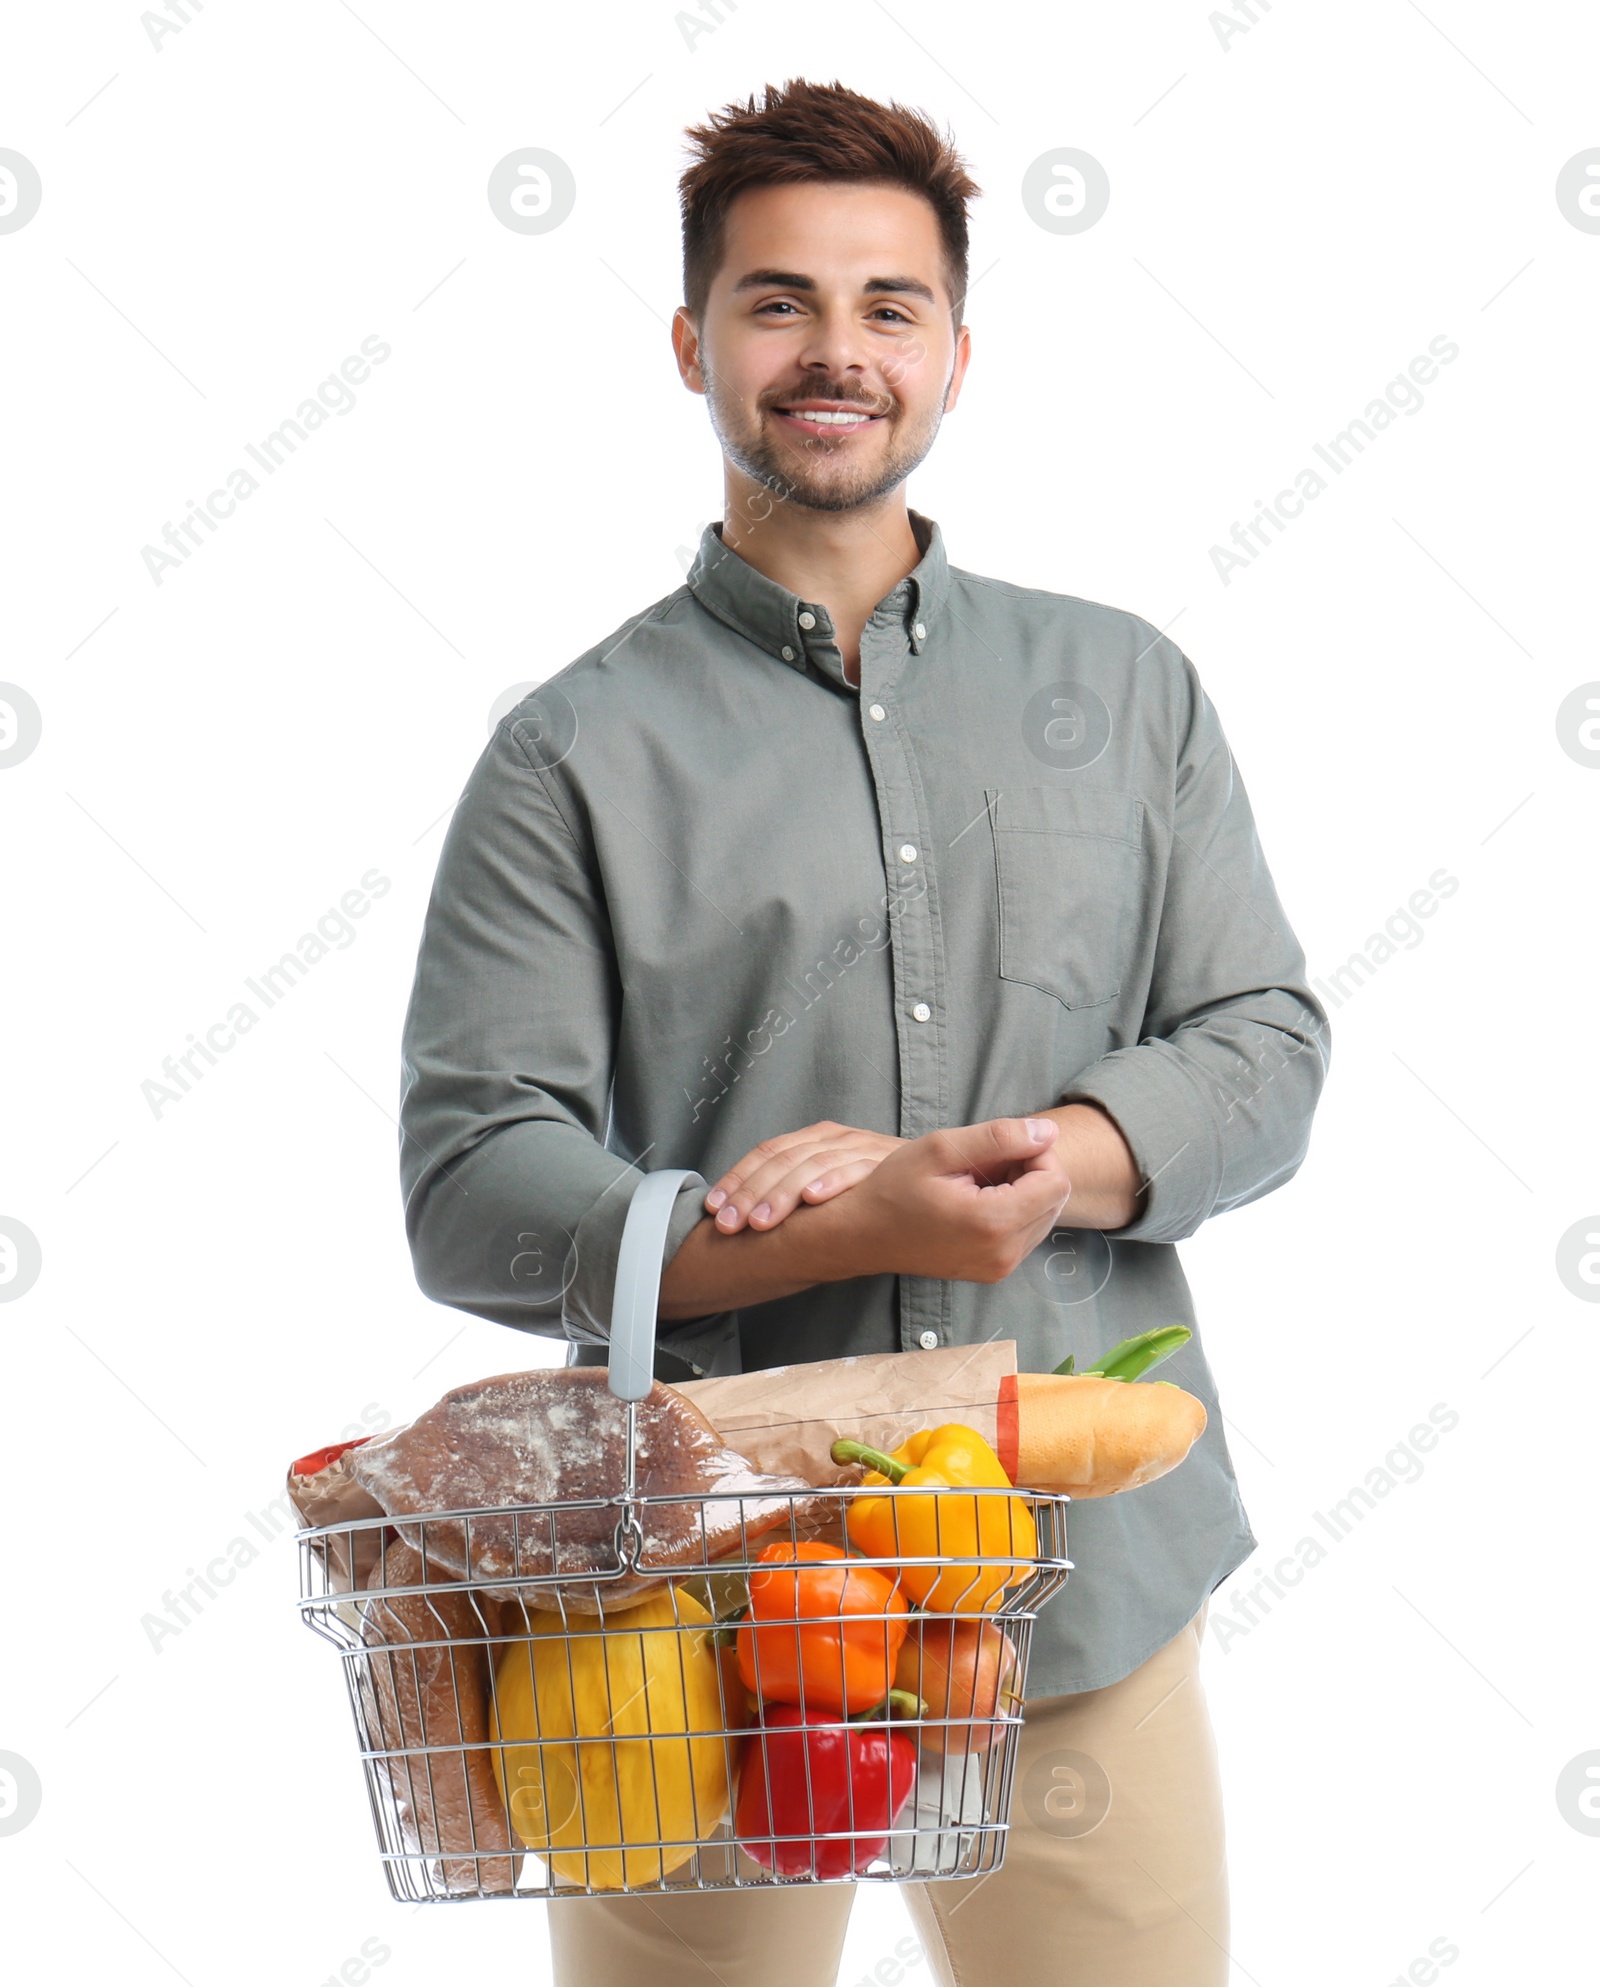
(1091, 1437)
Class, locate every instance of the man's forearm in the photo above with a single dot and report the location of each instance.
(1107, 1191)
(715, 1272)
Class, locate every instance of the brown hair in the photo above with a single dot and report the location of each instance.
(816, 131)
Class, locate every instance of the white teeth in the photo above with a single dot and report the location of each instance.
(835, 420)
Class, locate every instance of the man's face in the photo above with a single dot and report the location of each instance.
(826, 355)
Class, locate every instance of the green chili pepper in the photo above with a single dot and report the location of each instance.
(1134, 1356)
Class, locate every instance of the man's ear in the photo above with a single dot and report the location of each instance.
(686, 348)
(959, 367)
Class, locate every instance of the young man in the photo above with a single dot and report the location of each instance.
(923, 916)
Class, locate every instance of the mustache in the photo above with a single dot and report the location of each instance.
(866, 404)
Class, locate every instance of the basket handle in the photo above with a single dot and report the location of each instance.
(630, 1371)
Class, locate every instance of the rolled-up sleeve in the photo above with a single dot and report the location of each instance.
(1216, 1098)
(513, 1205)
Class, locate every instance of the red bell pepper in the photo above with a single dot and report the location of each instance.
(809, 1780)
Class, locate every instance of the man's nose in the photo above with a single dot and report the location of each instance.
(835, 345)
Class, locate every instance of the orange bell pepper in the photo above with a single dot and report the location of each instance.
(823, 1629)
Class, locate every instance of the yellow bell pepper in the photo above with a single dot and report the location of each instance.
(619, 1704)
(995, 1528)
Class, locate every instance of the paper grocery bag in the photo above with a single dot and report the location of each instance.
(329, 1495)
(787, 1418)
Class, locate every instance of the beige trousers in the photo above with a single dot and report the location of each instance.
(1114, 1875)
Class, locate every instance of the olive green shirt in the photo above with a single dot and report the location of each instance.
(700, 890)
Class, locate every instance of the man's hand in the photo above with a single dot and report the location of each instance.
(804, 1167)
(967, 1204)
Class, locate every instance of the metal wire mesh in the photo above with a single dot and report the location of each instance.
(521, 1737)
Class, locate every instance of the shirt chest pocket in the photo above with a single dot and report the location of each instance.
(1067, 864)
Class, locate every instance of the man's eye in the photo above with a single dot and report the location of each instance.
(896, 315)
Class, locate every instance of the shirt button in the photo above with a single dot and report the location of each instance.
(927, 1340)
(808, 620)
(877, 713)
(787, 654)
(907, 852)
(922, 1011)
(920, 631)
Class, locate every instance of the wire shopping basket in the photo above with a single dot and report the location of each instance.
(800, 1696)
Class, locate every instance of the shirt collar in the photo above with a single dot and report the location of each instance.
(769, 615)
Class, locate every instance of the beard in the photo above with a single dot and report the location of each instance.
(814, 471)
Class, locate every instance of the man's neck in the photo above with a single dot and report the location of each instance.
(846, 561)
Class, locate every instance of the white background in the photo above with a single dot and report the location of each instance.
(1296, 211)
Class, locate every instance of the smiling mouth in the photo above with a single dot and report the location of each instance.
(845, 420)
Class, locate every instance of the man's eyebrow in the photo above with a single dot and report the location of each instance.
(792, 279)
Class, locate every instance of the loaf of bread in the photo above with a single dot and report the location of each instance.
(1092, 1437)
(423, 1694)
(556, 1437)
